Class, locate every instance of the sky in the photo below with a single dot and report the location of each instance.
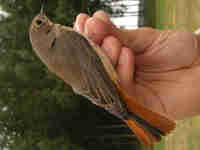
(129, 22)
(1, 12)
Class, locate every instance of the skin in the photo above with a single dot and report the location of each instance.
(160, 68)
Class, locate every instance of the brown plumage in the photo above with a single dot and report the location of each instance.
(83, 65)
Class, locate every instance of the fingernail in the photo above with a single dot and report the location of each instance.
(80, 22)
(77, 28)
(102, 16)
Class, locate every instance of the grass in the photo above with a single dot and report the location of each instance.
(178, 14)
(150, 12)
(172, 14)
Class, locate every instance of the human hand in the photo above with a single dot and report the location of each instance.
(160, 68)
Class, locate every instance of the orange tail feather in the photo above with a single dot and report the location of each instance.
(153, 118)
(139, 132)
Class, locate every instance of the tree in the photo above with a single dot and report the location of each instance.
(38, 110)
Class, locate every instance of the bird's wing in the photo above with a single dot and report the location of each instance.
(98, 85)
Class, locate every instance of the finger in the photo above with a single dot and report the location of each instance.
(125, 67)
(112, 48)
(96, 30)
(102, 16)
(79, 25)
(138, 39)
(100, 26)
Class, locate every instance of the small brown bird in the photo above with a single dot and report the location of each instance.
(84, 66)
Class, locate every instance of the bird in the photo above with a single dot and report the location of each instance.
(82, 64)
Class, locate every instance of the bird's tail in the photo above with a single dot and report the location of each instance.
(147, 125)
(145, 132)
(144, 136)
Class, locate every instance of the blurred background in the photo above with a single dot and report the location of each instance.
(38, 111)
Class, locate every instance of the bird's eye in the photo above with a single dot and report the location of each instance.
(39, 22)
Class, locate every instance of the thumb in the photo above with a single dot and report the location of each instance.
(138, 39)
